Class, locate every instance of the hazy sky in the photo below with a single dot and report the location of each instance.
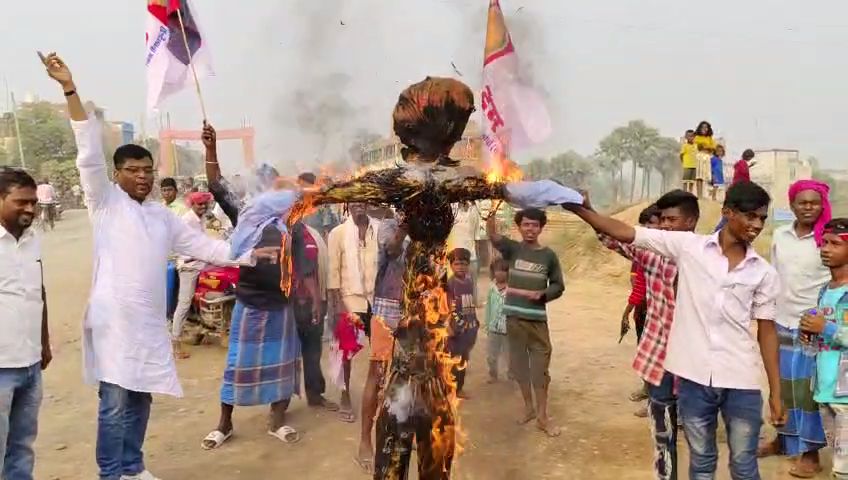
(766, 73)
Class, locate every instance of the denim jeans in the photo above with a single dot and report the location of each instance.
(742, 414)
(662, 412)
(20, 399)
(121, 426)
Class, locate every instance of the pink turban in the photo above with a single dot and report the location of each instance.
(822, 189)
(195, 198)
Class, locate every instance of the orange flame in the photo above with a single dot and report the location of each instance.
(447, 436)
(503, 169)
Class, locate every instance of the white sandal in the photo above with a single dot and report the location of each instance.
(217, 438)
(283, 433)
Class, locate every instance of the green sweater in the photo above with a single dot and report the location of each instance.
(534, 269)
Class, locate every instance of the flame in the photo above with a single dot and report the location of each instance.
(446, 434)
(503, 169)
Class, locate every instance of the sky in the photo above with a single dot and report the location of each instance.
(310, 74)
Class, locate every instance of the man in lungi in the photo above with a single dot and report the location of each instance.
(796, 256)
(263, 355)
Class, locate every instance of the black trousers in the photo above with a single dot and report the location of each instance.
(310, 349)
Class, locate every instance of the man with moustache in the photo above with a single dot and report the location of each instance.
(126, 343)
(25, 341)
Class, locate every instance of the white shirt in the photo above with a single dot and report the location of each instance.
(125, 334)
(21, 304)
(45, 193)
(802, 274)
(195, 223)
(710, 342)
(464, 232)
(353, 272)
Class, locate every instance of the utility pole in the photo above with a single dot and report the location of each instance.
(18, 130)
(173, 146)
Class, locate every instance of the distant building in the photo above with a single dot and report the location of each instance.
(775, 170)
(385, 153)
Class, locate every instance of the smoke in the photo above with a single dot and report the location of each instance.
(400, 404)
(318, 106)
(336, 68)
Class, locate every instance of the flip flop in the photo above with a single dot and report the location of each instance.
(805, 472)
(527, 418)
(347, 416)
(215, 439)
(638, 396)
(552, 431)
(286, 434)
(366, 464)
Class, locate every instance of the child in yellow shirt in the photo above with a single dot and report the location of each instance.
(688, 153)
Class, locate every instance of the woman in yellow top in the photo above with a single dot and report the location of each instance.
(706, 148)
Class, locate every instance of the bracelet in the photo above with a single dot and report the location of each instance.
(70, 93)
(211, 163)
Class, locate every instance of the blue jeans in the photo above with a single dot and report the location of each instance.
(121, 425)
(20, 399)
(662, 411)
(742, 414)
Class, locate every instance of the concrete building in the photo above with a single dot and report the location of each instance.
(775, 170)
(385, 153)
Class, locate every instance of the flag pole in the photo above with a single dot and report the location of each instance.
(191, 64)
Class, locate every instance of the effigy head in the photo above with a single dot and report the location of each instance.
(430, 117)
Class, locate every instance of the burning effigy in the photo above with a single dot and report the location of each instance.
(419, 395)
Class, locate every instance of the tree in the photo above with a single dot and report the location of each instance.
(570, 168)
(612, 165)
(666, 154)
(45, 135)
(62, 174)
(537, 169)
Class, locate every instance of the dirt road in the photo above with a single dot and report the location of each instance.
(591, 380)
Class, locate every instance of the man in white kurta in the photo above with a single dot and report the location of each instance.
(126, 341)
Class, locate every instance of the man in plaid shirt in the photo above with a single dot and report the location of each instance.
(679, 211)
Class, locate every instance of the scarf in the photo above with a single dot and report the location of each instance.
(822, 189)
(269, 208)
(197, 198)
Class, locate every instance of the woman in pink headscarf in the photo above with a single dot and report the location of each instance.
(795, 255)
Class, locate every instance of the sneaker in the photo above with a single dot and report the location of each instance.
(145, 475)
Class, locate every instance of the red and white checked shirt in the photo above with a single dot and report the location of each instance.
(660, 275)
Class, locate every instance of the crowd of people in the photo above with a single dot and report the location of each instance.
(695, 297)
(692, 301)
(702, 160)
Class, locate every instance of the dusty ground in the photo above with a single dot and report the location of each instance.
(591, 380)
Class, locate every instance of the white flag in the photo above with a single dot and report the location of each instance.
(168, 61)
(514, 114)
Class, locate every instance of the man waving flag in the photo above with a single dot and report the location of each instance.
(514, 115)
(173, 47)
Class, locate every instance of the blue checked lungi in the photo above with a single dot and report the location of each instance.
(803, 431)
(263, 358)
